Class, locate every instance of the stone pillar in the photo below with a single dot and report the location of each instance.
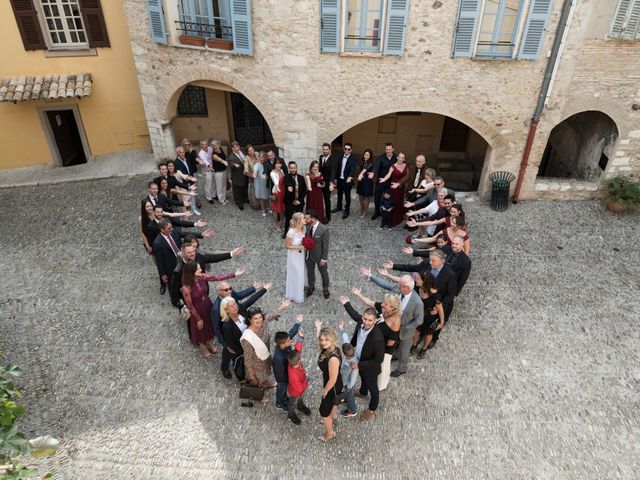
(162, 141)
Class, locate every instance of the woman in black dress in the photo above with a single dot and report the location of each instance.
(389, 322)
(365, 182)
(329, 363)
(433, 314)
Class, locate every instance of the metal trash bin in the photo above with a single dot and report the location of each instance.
(500, 184)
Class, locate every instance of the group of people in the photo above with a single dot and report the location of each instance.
(406, 321)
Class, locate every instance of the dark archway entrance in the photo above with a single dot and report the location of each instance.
(453, 149)
(579, 147)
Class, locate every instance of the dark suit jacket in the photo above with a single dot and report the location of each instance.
(372, 355)
(381, 166)
(413, 267)
(154, 231)
(165, 258)
(408, 179)
(328, 170)
(349, 168)
(447, 286)
(237, 172)
(425, 253)
(182, 167)
(321, 249)
(175, 282)
(302, 189)
(461, 264)
(165, 202)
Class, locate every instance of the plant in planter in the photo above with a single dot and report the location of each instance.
(220, 43)
(192, 40)
(623, 194)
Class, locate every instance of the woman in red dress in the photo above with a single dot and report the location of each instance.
(195, 291)
(397, 171)
(277, 194)
(315, 184)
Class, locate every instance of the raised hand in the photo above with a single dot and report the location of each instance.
(188, 214)
(299, 317)
(257, 285)
(412, 223)
(383, 271)
(356, 291)
(318, 324)
(238, 251)
(285, 303)
(240, 271)
(301, 333)
(366, 271)
(200, 223)
(267, 286)
(341, 325)
(343, 299)
(408, 250)
(208, 233)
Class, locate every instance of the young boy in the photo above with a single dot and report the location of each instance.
(386, 209)
(349, 375)
(280, 362)
(298, 381)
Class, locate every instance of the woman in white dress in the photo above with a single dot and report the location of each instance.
(295, 259)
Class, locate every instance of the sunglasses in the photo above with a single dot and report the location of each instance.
(226, 289)
(186, 144)
(347, 149)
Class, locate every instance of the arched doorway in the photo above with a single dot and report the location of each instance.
(453, 149)
(208, 109)
(579, 147)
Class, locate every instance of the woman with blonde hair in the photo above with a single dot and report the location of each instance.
(329, 363)
(296, 274)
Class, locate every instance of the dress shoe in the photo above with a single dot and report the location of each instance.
(163, 289)
(326, 294)
(294, 418)
(226, 374)
(304, 409)
(360, 395)
(375, 215)
(310, 291)
(338, 209)
(241, 207)
(367, 415)
(397, 373)
(345, 215)
(210, 201)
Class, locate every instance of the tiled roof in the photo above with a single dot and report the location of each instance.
(48, 87)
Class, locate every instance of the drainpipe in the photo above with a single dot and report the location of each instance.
(567, 9)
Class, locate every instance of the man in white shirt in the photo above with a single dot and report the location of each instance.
(204, 159)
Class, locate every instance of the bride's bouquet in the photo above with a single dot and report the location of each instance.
(308, 243)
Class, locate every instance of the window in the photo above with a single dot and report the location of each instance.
(223, 24)
(493, 28)
(60, 24)
(626, 21)
(498, 27)
(357, 26)
(193, 101)
(64, 23)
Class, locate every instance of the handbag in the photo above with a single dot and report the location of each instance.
(339, 398)
(185, 313)
(247, 392)
(228, 185)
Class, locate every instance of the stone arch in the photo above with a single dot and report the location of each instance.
(497, 144)
(170, 91)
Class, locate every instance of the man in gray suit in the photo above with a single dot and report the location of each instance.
(412, 314)
(319, 254)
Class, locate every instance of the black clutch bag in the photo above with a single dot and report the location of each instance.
(248, 392)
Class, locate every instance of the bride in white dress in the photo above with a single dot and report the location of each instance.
(296, 274)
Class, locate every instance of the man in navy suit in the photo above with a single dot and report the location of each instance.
(381, 166)
(345, 172)
(166, 248)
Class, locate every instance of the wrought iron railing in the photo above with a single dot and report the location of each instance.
(206, 30)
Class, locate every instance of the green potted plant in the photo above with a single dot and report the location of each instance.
(623, 194)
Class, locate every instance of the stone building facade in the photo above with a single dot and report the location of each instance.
(309, 94)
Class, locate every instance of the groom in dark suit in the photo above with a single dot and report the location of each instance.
(294, 195)
(328, 168)
(318, 255)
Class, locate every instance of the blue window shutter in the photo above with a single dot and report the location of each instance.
(156, 21)
(626, 22)
(396, 27)
(534, 30)
(329, 26)
(242, 27)
(465, 38)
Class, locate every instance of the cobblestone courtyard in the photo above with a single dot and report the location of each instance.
(536, 376)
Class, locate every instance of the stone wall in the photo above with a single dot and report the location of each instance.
(308, 97)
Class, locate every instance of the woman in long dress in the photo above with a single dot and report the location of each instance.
(295, 259)
(315, 184)
(277, 193)
(397, 171)
(260, 183)
(250, 159)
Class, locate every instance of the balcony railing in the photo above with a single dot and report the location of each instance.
(206, 30)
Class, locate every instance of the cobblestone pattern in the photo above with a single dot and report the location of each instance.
(536, 375)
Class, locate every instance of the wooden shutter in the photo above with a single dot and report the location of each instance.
(626, 21)
(156, 21)
(396, 27)
(242, 27)
(465, 38)
(94, 23)
(533, 36)
(329, 26)
(28, 25)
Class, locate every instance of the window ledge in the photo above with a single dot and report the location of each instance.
(362, 54)
(84, 52)
(494, 58)
(204, 48)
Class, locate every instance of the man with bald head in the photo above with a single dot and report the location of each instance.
(251, 296)
(459, 262)
(414, 175)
